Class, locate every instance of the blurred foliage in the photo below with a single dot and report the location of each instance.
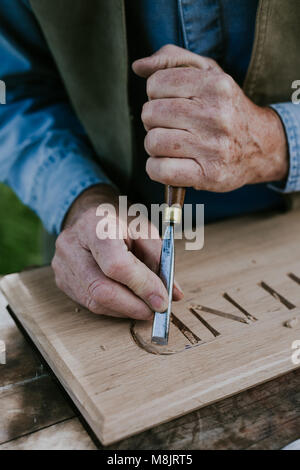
(20, 234)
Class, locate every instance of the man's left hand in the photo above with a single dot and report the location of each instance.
(202, 130)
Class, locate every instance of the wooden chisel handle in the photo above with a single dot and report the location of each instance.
(174, 195)
(174, 198)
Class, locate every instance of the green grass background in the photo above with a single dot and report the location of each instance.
(20, 234)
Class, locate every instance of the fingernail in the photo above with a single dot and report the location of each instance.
(158, 303)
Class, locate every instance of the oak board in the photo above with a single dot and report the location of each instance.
(244, 287)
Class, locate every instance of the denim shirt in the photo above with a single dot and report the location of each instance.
(45, 155)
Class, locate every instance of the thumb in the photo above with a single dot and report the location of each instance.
(170, 56)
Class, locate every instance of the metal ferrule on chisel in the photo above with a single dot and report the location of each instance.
(172, 215)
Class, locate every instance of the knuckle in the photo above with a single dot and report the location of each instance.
(54, 264)
(155, 170)
(201, 174)
(153, 83)
(92, 298)
(152, 141)
(224, 85)
(113, 269)
(201, 171)
(64, 240)
(92, 288)
(168, 48)
(214, 177)
(224, 120)
(150, 86)
(147, 113)
(92, 303)
(212, 64)
(59, 243)
(149, 168)
(208, 172)
(99, 294)
(217, 174)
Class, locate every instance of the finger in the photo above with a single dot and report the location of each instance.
(173, 113)
(177, 291)
(121, 265)
(68, 283)
(178, 143)
(186, 114)
(149, 251)
(207, 175)
(181, 82)
(174, 171)
(107, 293)
(170, 56)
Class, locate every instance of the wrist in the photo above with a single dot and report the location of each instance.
(278, 147)
(272, 143)
(90, 198)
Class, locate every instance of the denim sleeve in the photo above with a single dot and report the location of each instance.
(290, 117)
(45, 156)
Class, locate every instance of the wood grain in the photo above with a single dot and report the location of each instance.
(266, 417)
(118, 386)
(29, 398)
(68, 435)
(29, 406)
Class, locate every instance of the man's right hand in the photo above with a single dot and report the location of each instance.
(109, 277)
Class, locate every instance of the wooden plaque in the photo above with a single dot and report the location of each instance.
(238, 326)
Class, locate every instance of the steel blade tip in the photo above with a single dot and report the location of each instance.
(159, 340)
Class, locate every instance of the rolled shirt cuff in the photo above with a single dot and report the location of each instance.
(289, 114)
(60, 180)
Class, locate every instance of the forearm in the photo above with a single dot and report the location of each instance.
(45, 155)
(46, 158)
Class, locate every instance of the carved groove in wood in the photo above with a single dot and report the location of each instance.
(182, 337)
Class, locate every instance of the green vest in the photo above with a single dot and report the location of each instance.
(88, 41)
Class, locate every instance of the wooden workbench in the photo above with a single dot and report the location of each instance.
(35, 412)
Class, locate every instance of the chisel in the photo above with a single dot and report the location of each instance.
(174, 198)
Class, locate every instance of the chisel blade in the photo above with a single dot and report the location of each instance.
(161, 322)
